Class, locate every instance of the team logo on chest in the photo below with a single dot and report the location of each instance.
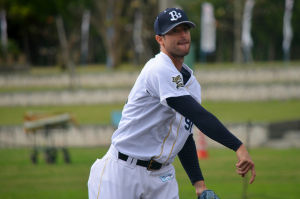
(174, 15)
(178, 81)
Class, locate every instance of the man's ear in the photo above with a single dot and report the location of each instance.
(158, 39)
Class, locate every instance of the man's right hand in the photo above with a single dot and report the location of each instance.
(200, 187)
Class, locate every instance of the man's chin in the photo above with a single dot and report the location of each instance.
(185, 53)
(180, 52)
(180, 55)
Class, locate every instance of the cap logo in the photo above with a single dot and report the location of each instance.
(175, 15)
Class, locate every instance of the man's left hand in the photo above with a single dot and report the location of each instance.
(245, 163)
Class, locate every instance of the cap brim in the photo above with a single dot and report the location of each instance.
(191, 24)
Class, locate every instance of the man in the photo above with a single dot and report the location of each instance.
(156, 125)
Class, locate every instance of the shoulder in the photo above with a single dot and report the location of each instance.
(160, 65)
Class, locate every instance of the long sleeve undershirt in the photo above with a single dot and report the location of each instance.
(189, 160)
(207, 123)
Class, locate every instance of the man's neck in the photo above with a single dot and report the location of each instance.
(177, 61)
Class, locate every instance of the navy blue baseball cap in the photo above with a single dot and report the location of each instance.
(170, 18)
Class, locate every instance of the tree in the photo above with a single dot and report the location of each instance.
(32, 30)
(115, 20)
(111, 19)
(238, 9)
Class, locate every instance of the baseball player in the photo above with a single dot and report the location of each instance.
(156, 125)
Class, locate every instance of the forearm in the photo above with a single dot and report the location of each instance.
(189, 160)
(204, 120)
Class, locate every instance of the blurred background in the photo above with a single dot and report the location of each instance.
(38, 33)
(67, 67)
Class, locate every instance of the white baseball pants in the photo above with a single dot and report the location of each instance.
(112, 178)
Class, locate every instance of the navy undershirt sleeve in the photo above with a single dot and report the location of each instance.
(205, 121)
(188, 154)
(189, 160)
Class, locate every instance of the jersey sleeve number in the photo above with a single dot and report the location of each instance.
(188, 125)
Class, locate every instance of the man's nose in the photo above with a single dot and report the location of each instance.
(183, 33)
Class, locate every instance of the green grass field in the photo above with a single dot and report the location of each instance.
(128, 67)
(278, 175)
(260, 111)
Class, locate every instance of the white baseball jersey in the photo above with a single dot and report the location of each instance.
(149, 128)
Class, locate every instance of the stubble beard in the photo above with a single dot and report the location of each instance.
(177, 54)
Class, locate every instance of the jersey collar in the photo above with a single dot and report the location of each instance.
(168, 59)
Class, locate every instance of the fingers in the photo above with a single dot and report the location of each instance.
(244, 169)
(241, 163)
(245, 163)
(253, 175)
(244, 166)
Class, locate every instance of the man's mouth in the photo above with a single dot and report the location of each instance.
(183, 42)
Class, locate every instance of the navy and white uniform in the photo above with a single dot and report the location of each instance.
(149, 129)
(156, 126)
(148, 122)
